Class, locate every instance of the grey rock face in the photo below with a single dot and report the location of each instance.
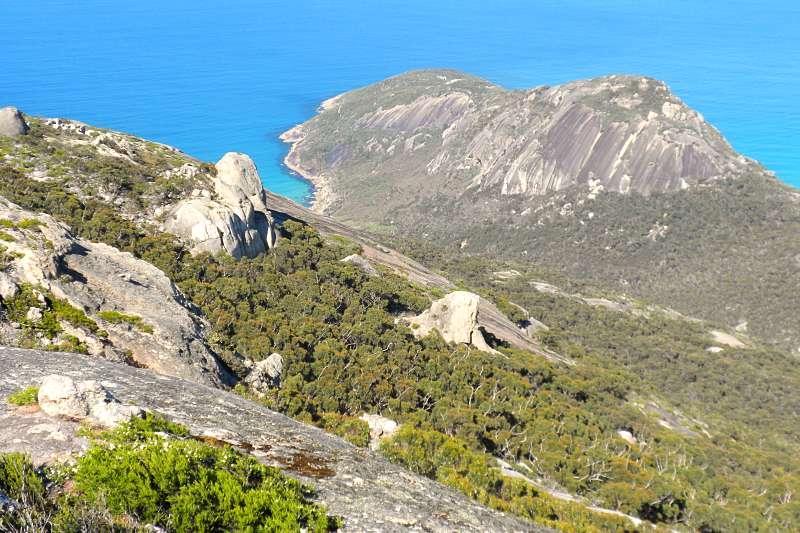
(235, 220)
(96, 277)
(8, 289)
(370, 493)
(12, 123)
(84, 400)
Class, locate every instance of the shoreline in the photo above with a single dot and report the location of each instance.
(322, 195)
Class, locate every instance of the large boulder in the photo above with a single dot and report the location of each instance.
(86, 400)
(265, 374)
(361, 263)
(455, 317)
(12, 123)
(235, 219)
(380, 428)
(466, 318)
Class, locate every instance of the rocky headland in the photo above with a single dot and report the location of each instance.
(612, 180)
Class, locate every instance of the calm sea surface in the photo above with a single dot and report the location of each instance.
(210, 77)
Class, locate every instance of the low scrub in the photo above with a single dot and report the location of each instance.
(149, 472)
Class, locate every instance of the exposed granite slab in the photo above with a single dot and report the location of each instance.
(370, 493)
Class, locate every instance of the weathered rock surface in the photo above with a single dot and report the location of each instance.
(235, 219)
(96, 277)
(12, 123)
(85, 400)
(380, 428)
(466, 318)
(455, 317)
(370, 493)
(266, 374)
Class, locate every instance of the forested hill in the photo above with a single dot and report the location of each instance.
(612, 180)
(537, 396)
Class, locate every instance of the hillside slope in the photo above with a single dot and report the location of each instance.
(634, 416)
(611, 180)
(366, 490)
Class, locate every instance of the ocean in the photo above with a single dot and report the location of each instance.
(211, 77)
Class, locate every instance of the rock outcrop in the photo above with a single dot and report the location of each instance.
(466, 318)
(145, 316)
(362, 264)
(265, 375)
(371, 494)
(85, 400)
(234, 217)
(380, 428)
(455, 317)
(12, 123)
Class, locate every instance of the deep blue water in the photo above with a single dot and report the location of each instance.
(210, 77)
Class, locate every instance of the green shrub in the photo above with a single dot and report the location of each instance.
(115, 317)
(185, 485)
(350, 428)
(28, 223)
(67, 312)
(148, 471)
(19, 479)
(24, 397)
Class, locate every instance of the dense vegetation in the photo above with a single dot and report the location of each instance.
(752, 386)
(727, 464)
(149, 472)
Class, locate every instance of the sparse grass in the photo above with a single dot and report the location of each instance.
(115, 317)
(69, 313)
(24, 396)
(29, 223)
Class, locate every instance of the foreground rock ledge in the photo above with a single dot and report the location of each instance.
(370, 493)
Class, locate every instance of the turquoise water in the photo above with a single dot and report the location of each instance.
(211, 77)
